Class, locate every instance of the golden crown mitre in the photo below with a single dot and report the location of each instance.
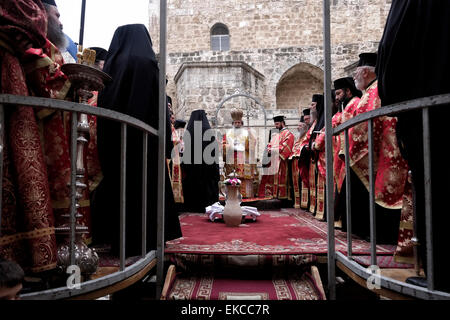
(236, 114)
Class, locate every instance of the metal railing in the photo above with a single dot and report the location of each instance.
(125, 121)
(162, 145)
(329, 151)
(391, 284)
(421, 103)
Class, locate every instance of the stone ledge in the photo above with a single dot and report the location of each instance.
(217, 64)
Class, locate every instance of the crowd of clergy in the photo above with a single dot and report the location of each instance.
(36, 148)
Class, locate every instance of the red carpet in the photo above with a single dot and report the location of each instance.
(289, 231)
(210, 288)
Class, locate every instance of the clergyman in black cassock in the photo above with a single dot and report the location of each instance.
(134, 91)
(413, 62)
(200, 175)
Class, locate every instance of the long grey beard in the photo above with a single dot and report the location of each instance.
(57, 37)
(302, 131)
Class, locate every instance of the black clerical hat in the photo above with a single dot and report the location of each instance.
(179, 124)
(278, 118)
(367, 59)
(306, 112)
(50, 2)
(351, 82)
(317, 97)
(100, 53)
(341, 83)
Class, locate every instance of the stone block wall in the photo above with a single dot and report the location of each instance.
(294, 92)
(270, 36)
(268, 23)
(274, 64)
(205, 84)
(281, 42)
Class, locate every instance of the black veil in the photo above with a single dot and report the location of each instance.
(413, 62)
(134, 91)
(200, 181)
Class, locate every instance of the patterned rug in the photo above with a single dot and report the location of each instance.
(222, 263)
(211, 288)
(288, 231)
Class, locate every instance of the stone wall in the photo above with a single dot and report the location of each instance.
(205, 84)
(273, 64)
(294, 91)
(270, 36)
(281, 43)
(268, 23)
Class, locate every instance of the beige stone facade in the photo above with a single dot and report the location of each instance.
(268, 24)
(275, 52)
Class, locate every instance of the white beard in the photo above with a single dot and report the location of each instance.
(359, 85)
(56, 36)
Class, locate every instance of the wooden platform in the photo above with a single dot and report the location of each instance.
(400, 274)
(396, 274)
(104, 271)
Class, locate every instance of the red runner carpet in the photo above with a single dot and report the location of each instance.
(288, 231)
(211, 288)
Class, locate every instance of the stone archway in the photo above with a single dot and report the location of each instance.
(297, 85)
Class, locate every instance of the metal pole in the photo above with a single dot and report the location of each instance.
(373, 227)
(73, 189)
(428, 198)
(329, 151)
(414, 239)
(123, 190)
(248, 115)
(2, 145)
(348, 196)
(144, 192)
(161, 147)
(83, 12)
(265, 125)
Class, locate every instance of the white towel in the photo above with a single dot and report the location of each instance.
(215, 211)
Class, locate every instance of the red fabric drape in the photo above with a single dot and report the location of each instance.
(28, 235)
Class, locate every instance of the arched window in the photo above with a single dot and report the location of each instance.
(220, 37)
